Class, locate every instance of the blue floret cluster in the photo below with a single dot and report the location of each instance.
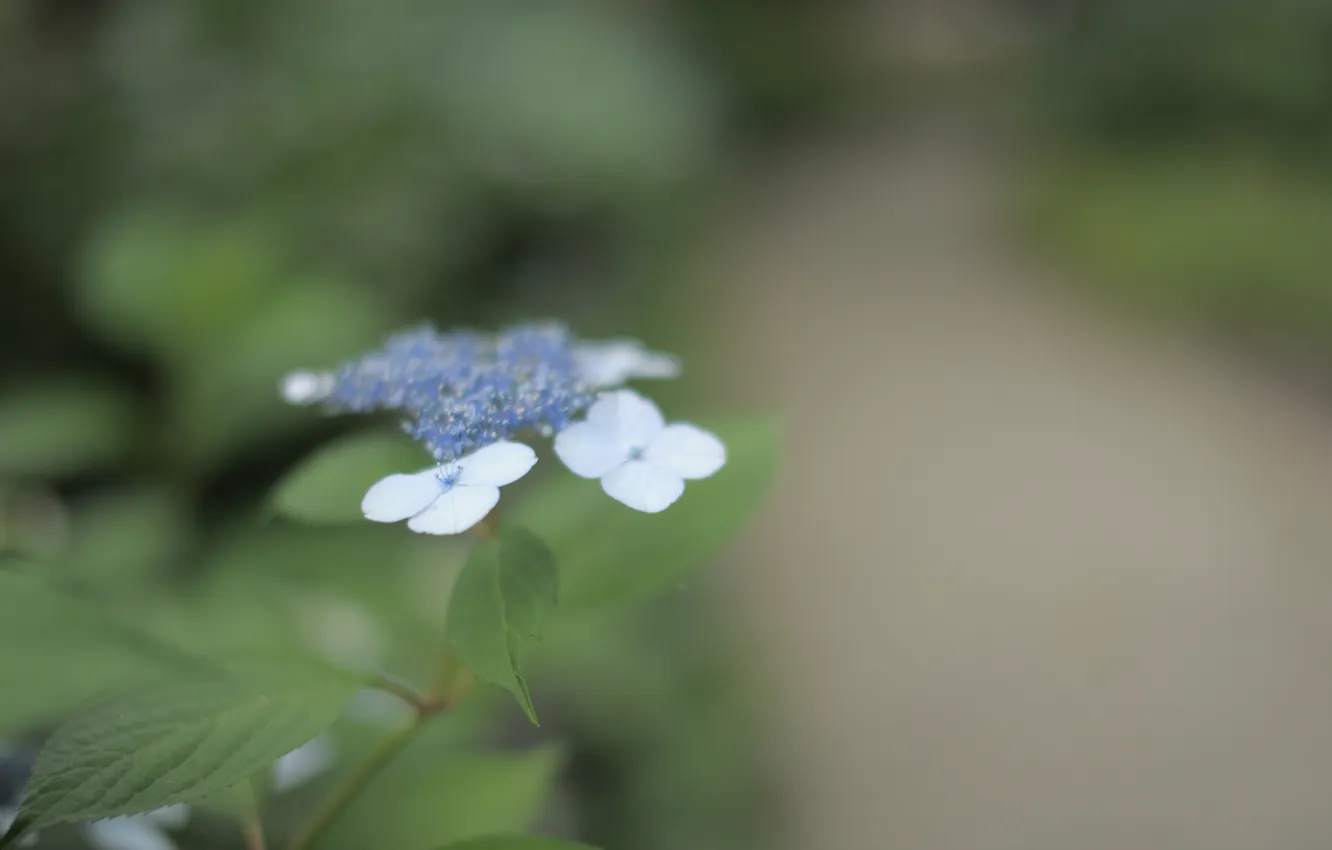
(463, 390)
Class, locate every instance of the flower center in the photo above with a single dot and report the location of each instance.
(448, 474)
(636, 453)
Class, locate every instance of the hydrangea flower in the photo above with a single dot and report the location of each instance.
(612, 362)
(459, 391)
(453, 497)
(641, 461)
(467, 396)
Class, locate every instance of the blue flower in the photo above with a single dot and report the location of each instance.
(462, 391)
(463, 395)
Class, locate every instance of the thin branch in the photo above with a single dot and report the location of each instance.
(254, 834)
(424, 705)
(350, 788)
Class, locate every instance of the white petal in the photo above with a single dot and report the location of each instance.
(611, 363)
(643, 487)
(306, 387)
(497, 464)
(589, 451)
(129, 833)
(400, 497)
(303, 764)
(687, 450)
(169, 817)
(633, 420)
(456, 511)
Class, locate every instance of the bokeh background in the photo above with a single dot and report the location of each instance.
(1042, 291)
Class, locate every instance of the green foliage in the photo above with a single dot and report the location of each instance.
(1169, 70)
(667, 707)
(229, 395)
(1232, 243)
(64, 426)
(501, 601)
(179, 742)
(562, 93)
(200, 197)
(451, 797)
(43, 631)
(128, 536)
(515, 842)
(328, 485)
(610, 555)
(156, 280)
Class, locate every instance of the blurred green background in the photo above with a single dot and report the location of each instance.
(1182, 162)
(197, 197)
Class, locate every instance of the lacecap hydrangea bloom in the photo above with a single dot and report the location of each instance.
(470, 399)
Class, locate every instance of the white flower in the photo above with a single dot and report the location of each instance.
(641, 461)
(306, 387)
(612, 362)
(138, 832)
(451, 498)
(303, 764)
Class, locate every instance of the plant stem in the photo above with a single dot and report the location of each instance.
(452, 683)
(351, 787)
(254, 834)
(423, 704)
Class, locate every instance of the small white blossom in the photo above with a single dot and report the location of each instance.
(303, 764)
(451, 498)
(641, 461)
(612, 362)
(138, 832)
(306, 387)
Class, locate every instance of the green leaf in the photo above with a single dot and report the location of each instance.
(128, 536)
(58, 652)
(449, 797)
(327, 486)
(500, 601)
(516, 842)
(179, 742)
(610, 555)
(63, 426)
(229, 395)
(162, 281)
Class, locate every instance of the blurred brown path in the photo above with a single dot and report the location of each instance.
(1034, 577)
